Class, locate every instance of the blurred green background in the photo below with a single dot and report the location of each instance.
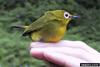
(14, 48)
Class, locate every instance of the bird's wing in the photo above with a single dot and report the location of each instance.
(38, 24)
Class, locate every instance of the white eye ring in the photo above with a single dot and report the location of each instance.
(66, 15)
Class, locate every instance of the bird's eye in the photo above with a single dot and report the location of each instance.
(66, 15)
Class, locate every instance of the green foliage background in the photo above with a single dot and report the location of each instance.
(14, 48)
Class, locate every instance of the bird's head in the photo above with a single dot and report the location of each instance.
(64, 15)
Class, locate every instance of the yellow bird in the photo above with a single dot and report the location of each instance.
(50, 27)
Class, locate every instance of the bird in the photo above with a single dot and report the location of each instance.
(50, 27)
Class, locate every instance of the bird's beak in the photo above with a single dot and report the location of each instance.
(74, 17)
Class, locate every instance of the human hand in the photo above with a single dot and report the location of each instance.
(64, 53)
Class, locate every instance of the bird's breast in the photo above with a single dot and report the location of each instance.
(58, 35)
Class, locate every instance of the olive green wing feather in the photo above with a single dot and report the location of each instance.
(39, 23)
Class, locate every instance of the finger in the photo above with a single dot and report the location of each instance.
(37, 53)
(63, 60)
(62, 43)
(66, 43)
(79, 53)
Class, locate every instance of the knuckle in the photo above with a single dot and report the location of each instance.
(81, 43)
